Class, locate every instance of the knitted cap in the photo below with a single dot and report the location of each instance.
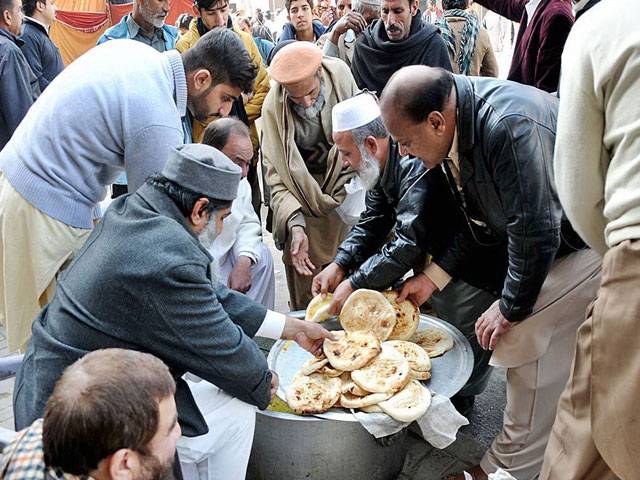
(185, 167)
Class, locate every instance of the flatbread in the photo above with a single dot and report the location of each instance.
(407, 316)
(351, 350)
(318, 309)
(422, 376)
(415, 355)
(351, 387)
(408, 405)
(388, 373)
(313, 365)
(329, 371)
(372, 409)
(307, 395)
(368, 310)
(434, 340)
(347, 400)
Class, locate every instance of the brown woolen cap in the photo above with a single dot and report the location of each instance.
(295, 62)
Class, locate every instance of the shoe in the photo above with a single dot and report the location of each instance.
(464, 405)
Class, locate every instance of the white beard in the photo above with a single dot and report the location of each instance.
(208, 235)
(369, 171)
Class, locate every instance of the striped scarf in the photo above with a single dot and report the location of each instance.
(467, 42)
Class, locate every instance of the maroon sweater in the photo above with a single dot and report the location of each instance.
(538, 48)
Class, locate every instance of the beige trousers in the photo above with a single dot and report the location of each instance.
(537, 353)
(596, 434)
(33, 249)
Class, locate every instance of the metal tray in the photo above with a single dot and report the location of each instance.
(449, 372)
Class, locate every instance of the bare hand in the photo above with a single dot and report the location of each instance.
(418, 288)
(308, 335)
(300, 252)
(351, 20)
(340, 296)
(240, 276)
(275, 381)
(327, 17)
(327, 280)
(491, 326)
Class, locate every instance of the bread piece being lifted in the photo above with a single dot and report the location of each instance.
(368, 310)
(318, 309)
(407, 316)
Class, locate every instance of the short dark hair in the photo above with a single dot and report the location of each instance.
(29, 6)
(207, 4)
(106, 401)
(6, 5)
(418, 98)
(184, 20)
(458, 4)
(287, 4)
(217, 132)
(223, 54)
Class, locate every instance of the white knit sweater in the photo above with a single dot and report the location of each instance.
(597, 156)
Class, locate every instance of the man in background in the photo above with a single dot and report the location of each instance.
(400, 38)
(42, 54)
(18, 85)
(244, 262)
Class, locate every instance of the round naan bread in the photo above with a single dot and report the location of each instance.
(407, 316)
(434, 341)
(423, 376)
(307, 395)
(347, 400)
(387, 373)
(351, 350)
(415, 355)
(408, 405)
(318, 309)
(313, 365)
(368, 310)
(329, 371)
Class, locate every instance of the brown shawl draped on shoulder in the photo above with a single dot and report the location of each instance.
(292, 186)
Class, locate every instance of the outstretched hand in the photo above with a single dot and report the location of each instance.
(418, 288)
(308, 335)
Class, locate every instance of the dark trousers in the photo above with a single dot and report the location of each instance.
(460, 304)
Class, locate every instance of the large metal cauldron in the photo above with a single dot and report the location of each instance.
(333, 445)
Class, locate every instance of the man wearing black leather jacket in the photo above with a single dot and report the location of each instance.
(396, 204)
(494, 142)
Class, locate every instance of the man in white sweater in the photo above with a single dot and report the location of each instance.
(597, 167)
(119, 107)
(244, 262)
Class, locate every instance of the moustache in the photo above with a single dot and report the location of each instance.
(393, 28)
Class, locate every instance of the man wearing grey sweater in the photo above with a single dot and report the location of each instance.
(119, 107)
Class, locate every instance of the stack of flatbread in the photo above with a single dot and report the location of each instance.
(361, 368)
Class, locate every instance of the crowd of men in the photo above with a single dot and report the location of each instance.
(390, 156)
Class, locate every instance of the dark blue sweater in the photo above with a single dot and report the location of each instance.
(41, 53)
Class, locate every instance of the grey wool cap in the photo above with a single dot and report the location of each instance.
(186, 166)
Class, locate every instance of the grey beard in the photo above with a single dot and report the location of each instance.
(154, 20)
(208, 235)
(314, 110)
(369, 171)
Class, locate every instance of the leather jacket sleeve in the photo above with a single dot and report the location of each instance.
(369, 234)
(378, 263)
(532, 211)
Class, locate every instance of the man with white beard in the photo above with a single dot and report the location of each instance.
(143, 282)
(396, 192)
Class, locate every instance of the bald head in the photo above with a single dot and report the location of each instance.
(419, 109)
(416, 91)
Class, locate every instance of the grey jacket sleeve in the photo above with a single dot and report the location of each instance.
(16, 91)
(203, 329)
